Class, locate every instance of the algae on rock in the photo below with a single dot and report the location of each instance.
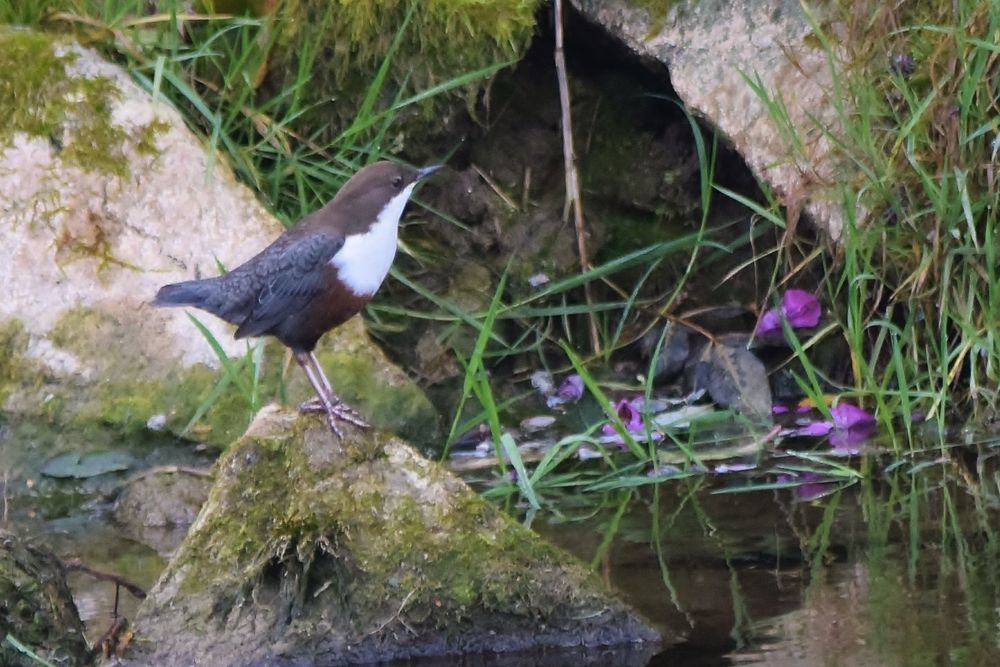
(357, 551)
(36, 89)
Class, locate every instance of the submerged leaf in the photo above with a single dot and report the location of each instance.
(735, 378)
(73, 465)
(537, 423)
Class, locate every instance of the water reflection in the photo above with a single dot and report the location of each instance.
(900, 569)
(903, 573)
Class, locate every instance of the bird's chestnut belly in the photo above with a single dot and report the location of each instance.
(333, 306)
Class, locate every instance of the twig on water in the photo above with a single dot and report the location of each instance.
(76, 565)
(573, 195)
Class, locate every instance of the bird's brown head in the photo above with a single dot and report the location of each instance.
(377, 186)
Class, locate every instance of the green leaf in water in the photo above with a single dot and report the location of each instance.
(73, 465)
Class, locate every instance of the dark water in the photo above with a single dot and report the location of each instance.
(901, 571)
(906, 574)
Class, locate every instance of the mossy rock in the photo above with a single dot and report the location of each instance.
(36, 607)
(37, 91)
(108, 196)
(315, 551)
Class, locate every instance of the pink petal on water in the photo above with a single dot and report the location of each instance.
(801, 308)
(852, 426)
(629, 412)
(810, 484)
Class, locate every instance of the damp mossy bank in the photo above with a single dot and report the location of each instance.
(362, 550)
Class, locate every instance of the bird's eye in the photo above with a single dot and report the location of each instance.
(397, 181)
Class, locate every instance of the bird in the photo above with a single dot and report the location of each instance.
(314, 277)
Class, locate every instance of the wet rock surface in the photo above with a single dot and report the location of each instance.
(711, 48)
(161, 499)
(311, 551)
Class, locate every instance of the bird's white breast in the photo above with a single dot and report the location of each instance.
(364, 260)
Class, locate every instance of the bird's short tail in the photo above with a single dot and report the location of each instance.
(189, 293)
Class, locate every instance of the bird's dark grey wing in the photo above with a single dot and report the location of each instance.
(285, 279)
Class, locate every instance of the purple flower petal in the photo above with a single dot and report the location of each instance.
(628, 410)
(779, 409)
(813, 429)
(770, 322)
(852, 427)
(846, 415)
(571, 389)
(812, 491)
(801, 308)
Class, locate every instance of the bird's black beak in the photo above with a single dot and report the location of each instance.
(427, 171)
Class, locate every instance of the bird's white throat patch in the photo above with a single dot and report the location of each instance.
(364, 260)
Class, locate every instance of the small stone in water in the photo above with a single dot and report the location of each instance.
(156, 422)
(538, 280)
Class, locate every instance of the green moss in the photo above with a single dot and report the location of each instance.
(350, 517)
(39, 98)
(36, 606)
(126, 403)
(146, 142)
(16, 371)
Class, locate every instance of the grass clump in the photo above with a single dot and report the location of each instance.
(917, 275)
(343, 44)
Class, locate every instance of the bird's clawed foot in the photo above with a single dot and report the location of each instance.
(326, 401)
(338, 411)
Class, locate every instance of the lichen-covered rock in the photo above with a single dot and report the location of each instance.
(712, 48)
(104, 196)
(36, 607)
(314, 551)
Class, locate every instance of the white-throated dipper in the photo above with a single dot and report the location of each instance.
(315, 276)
